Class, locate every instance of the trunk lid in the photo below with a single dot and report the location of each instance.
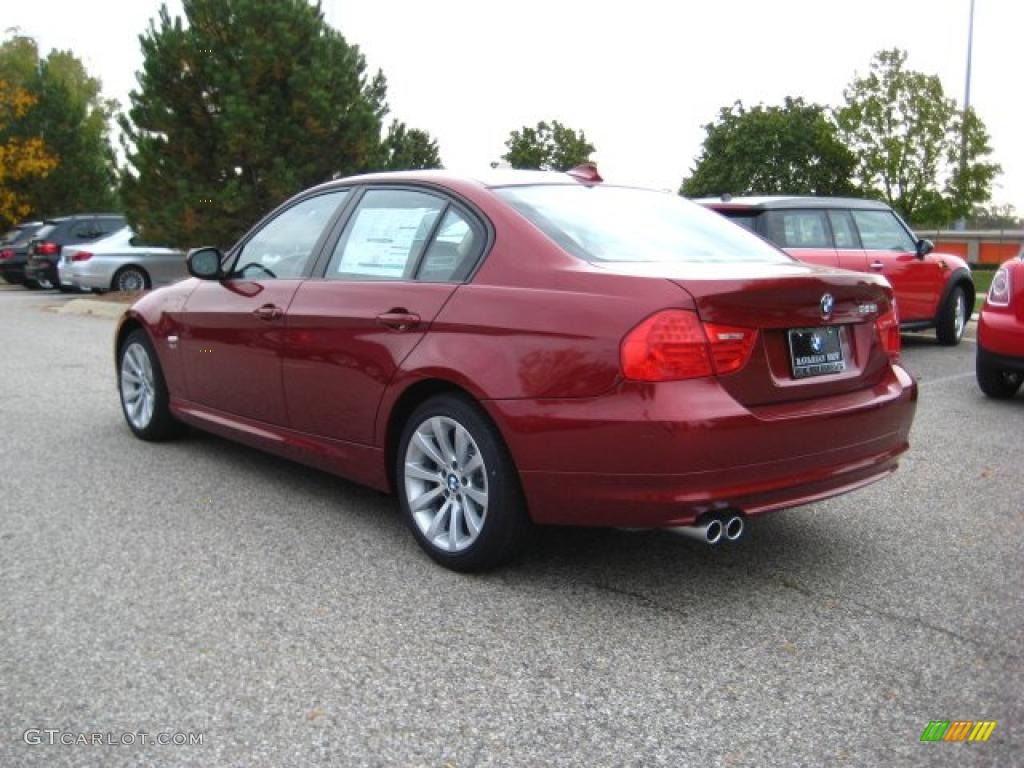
(777, 299)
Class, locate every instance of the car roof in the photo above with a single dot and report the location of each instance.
(773, 202)
(492, 177)
(75, 216)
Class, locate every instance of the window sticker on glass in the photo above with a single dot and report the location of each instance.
(381, 240)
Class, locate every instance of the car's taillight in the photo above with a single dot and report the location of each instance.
(46, 248)
(6, 253)
(999, 291)
(730, 346)
(673, 344)
(888, 326)
(81, 256)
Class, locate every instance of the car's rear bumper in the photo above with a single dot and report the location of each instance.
(13, 273)
(42, 270)
(658, 455)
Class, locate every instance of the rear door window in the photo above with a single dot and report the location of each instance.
(386, 235)
(797, 229)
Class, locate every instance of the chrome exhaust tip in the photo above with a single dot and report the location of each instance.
(734, 528)
(710, 532)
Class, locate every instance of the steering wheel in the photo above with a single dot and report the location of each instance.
(257, 265)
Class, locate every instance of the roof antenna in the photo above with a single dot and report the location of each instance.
(586, 172)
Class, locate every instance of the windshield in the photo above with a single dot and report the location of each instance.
(600, 224)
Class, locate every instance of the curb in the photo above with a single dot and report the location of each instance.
(92, 307)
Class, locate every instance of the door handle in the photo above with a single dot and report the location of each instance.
(877, 265)
(399, 319)
(269, 312)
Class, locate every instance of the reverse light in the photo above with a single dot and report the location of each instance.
(81, 256)
(46, 248)
(673, 344)
(999, 291)
(888, 326)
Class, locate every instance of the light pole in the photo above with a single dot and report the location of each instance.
(962, 221)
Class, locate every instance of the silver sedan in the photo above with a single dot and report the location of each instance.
(120, 262)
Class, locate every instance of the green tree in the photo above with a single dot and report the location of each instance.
(907, 136)
(240, 105)
(791, 149)
(406, 149)
(72, 118)
(549, 147)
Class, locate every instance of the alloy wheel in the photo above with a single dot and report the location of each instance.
(131, 281)
(138, 391)
(445, 482)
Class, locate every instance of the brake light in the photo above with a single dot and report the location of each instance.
(81, 256)
(888, 326)
(46, 248)
(673, 344)
(6, 253)
(999, 291)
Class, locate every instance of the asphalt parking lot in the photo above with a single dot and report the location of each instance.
(288, 617)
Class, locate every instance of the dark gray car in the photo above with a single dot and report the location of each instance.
(44, 250)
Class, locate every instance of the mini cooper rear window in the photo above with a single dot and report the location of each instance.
(609, 224)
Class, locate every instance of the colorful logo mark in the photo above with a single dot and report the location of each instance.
(958, 730)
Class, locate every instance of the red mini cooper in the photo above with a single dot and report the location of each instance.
(1000, 361)
(527, 348)
(933, 290)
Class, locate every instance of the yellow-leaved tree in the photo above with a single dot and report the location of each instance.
(20, 158)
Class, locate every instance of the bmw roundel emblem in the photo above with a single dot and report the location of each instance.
(827, 304)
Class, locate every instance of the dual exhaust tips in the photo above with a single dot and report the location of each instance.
(715, 530)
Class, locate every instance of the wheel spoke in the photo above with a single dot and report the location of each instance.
(453, 527)
(425, 498)
(443, 442)
(461, 445)
(474, 464)
(415, 470)
(473, 521)
(427, 446)
(437, 523)
(480, 497)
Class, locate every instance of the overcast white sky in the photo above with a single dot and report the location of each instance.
(639, 77)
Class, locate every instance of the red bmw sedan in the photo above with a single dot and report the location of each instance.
(528, 348)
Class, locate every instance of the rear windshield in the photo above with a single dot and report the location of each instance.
(45, 230)
(621, 224)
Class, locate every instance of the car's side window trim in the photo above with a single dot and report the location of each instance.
(464, 207)
(235, 253)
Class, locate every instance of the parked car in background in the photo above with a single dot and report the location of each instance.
(14, 251)
(933, 290)
(120, 262)
(45, 247)
(528, 347)
(1000, 358)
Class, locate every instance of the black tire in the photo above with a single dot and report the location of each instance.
(130, 280)
(505, 525)
(66, 288)
(996, 382)
(161, 425)
(949, 328)
(32, 285)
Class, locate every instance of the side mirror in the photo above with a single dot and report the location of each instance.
(924, 247)
(205, 262)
